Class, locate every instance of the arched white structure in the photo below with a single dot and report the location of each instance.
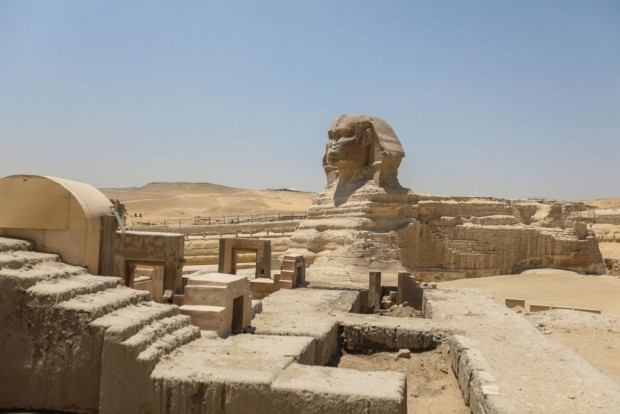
(60, 216)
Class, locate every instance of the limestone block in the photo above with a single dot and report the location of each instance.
(286, 284)
(513, 303)
(287, 275)
(409, 290)
(209, 318)
(262, 287)
(339, 390)
(539, 308)
(207, 295)
(288, 265)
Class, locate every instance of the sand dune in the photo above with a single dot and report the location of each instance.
(173, 201)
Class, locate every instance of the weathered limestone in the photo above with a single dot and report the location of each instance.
(409, 290)
(292, 272)
(513, 303)
(60, 216)
(137, 249)
(218, 302)
(73, 342)
(374, 290)
(504, 364)
(150, 279)
(230, 247)
(534, 307)
(202, 242)
(364, 220)
(56, 326)
(262, 287)
(292, 275)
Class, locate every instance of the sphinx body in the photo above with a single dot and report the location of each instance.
(365, 220)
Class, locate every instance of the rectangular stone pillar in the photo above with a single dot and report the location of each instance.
(374, 290)
(409, 290)
(107, 245)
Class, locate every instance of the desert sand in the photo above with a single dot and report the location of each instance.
(173, 201)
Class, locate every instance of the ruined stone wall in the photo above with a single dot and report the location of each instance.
(202, 242)
(165, 249)
(491, 250)
(608, 216)
(205, 250)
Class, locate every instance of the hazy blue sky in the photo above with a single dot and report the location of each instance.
(500, 98)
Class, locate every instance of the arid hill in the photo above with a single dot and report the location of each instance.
(171, 201)
(612, 202)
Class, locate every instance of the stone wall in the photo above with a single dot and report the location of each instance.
(202, 242)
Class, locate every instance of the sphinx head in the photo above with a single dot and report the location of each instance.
(362, 148)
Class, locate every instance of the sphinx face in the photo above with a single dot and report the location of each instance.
(347, 148)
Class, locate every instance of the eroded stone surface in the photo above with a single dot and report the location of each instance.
(364, 220)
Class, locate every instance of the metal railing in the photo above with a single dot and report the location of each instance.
(138, 222)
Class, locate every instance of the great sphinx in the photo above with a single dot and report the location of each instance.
(365, 220)
(362, 149)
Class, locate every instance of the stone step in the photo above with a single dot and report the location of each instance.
(11, 245)
(101, 303)
(123, 323)
(286, 275)
(285, 284)
(28, 276)
(23, 259)
(288, 265)
(155, 331)
(208, 318)
(55, 290)
(169, 343)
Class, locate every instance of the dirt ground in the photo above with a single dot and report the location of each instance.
(594, 337)
(550, 287)
(431, 385)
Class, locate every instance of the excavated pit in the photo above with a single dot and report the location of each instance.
(423, 356)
